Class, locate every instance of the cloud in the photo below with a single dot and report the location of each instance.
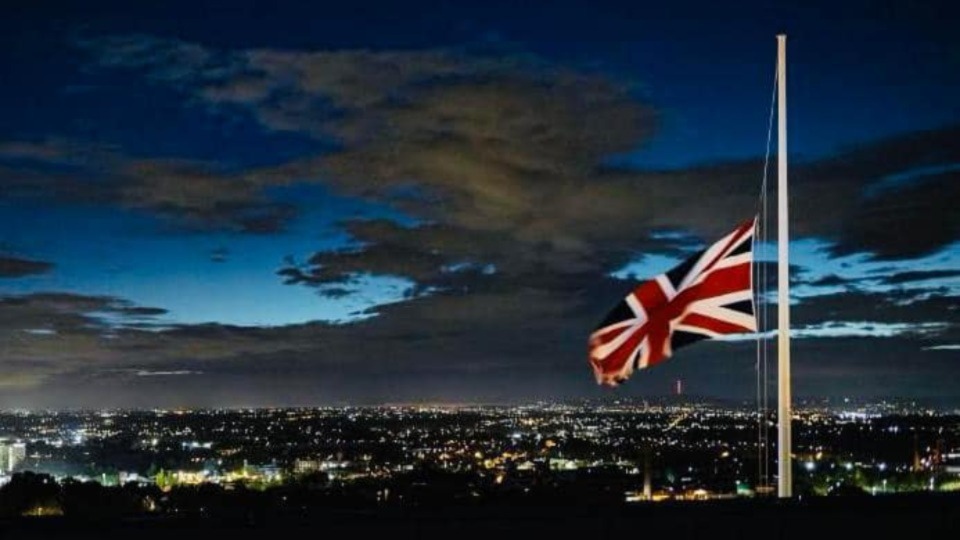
(44, 334)
(168, 60)
(56, 168)
(158, 373)
(219, 255)
(435, 103)
(471, 131)
(848, 329)
(191, 194)
(509, 142)
(920, 275)
(854, 218)
(56, 150)
(14, 267)
(831, 280)
(496, 342)
(896, 307)
(390, 249)
(871, 367)
(200, 195)
(48, 335)
(68, 314)
(139, 311)
(871, 220)
(929, 209)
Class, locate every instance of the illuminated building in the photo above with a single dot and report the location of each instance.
(11, 455)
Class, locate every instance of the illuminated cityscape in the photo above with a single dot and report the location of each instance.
(613, 451)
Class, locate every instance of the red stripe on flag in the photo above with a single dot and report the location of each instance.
(722, 281)
(650, 295)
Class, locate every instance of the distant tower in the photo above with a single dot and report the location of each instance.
(647, 474)
(916, 453)
(679, 388)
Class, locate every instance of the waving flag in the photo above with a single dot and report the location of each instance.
(708, 295)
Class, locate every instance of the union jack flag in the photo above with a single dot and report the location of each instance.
(706, 296)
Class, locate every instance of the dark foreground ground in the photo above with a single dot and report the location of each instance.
(902, 517)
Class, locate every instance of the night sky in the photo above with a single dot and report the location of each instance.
(231, 204)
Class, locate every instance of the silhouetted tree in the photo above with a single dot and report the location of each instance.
(90, 500)
(27, 492)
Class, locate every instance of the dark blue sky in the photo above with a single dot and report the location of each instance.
(864, 70)
(262, 198)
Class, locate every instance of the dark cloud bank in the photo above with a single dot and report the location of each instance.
(15, 267)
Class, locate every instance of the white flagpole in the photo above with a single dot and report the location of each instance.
(784, 409)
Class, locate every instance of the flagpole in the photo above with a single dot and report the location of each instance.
(784, 413)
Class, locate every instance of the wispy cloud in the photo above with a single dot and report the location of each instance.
(161, 373)
(15, 267)
(848, 329)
